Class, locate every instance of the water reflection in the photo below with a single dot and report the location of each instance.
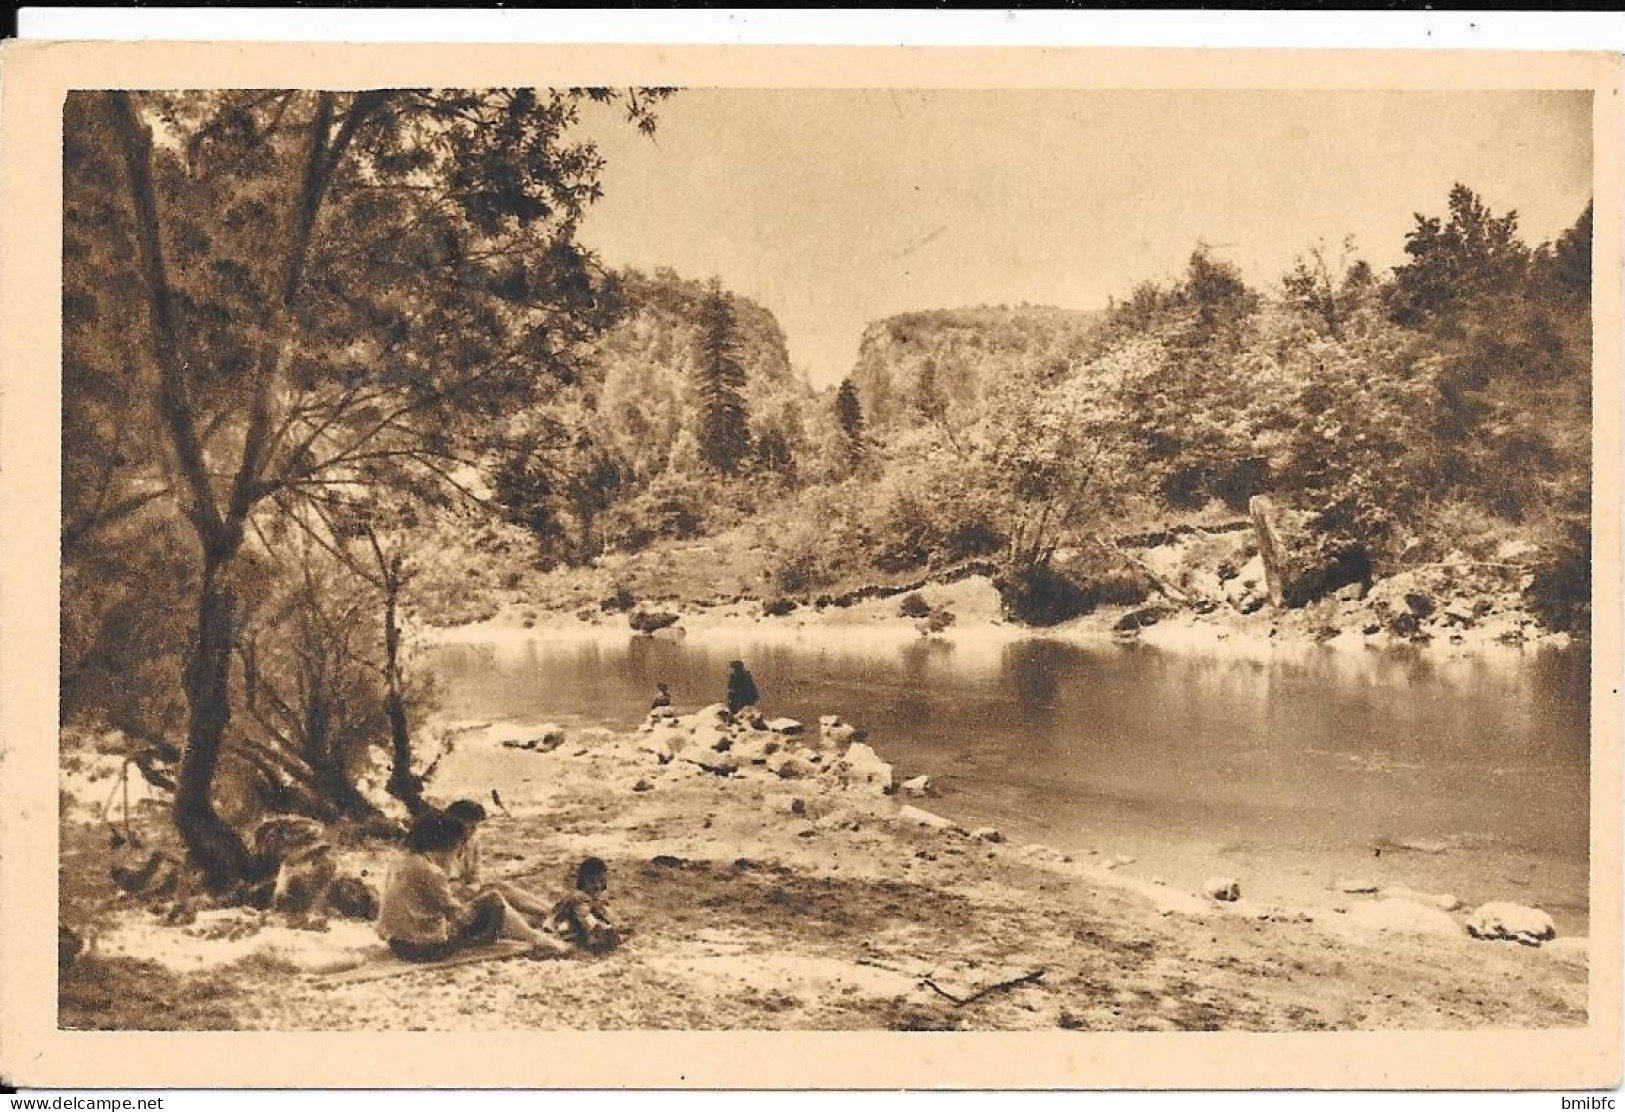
(1308, 749)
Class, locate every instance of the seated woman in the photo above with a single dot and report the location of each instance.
(465, 873)
(420, 917)
(465, 867)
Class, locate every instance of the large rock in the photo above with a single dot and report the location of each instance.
(788, 727)
(1402, 917)
(790, 766)
(1224, 888)
(1245, 591)
(713, 715)
(722, 764)
(650, 621)
(1511, 922)
(1270, 546)
(916, 786)
(861, 767)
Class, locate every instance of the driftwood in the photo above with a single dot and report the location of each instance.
(988, 990)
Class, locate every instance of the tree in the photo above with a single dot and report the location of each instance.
(1327, 291)
(1476, 254)
(315, 290)
(1573, 255)
(849, 416)
(724, 432)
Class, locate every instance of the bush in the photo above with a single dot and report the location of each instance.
(778, 607)
(914, 606)
(1559, 594)
(1039, 595)
(617, 603)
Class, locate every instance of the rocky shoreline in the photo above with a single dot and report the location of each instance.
(776, 877)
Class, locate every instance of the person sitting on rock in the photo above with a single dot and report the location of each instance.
(418, 915)
(662, 697)
(742, 691)
(582, 916)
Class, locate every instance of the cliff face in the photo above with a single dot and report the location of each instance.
(945, 359)
(646, 367)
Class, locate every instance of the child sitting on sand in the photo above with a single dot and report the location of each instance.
(582, 916)
(419, 916)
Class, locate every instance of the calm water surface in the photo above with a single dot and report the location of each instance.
(1459, 774)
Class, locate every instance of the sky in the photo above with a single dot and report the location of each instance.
(835, 208)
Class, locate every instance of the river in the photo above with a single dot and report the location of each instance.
(1288, 770)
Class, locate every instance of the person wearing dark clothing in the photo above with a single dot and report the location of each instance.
(662, 697)
(742, 691)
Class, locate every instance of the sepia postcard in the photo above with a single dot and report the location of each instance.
(809, 567)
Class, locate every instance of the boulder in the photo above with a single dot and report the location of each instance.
(829, 721)
(750, 716)
(987, 834)
(921, 817)
(1512, 922)
(714, 715)
(721, 764)
(1402, 917)
(1271, 549)
(1224, 888)
(787, 727)
(649, 621)
(791, 766)
(916, 786)
(752, 748)
(1142, 617)
(861, 767)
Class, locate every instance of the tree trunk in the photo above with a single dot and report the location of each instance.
(403, 785)
(214, 847)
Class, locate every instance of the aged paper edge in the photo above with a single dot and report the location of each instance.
(34, 78)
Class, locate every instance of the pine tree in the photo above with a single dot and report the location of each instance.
(849, 415)
(724, 432)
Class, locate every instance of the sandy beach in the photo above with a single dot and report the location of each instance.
(814, 899)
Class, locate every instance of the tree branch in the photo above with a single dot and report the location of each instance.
(174, 407)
